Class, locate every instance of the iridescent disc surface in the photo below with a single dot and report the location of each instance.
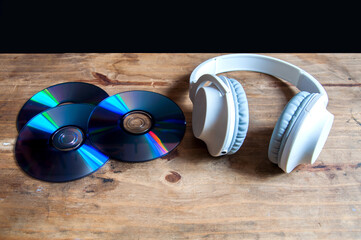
(136, 126)
(53, 145)
(70, 92)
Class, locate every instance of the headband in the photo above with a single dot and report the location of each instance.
(259, 63)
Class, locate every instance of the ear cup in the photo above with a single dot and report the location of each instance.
(285, 123)
(242, 114)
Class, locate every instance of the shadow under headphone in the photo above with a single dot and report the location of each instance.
(220, 110)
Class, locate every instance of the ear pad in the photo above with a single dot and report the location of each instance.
(285, 123)
(242, 115)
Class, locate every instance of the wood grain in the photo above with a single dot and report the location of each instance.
(187, 194)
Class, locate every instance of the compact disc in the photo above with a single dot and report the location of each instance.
(53, 146)
(136, 126)
(70, 92)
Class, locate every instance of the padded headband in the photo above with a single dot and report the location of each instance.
(259, 63)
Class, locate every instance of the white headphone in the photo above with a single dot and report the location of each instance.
(220, 110)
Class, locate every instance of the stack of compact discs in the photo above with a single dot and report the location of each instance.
(70, 130)
(52, 144)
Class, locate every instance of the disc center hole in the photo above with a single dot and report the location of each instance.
(67, 138)
(137, 122)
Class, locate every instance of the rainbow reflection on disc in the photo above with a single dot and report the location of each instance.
(53, 146)
(69, 92)
(136, 126)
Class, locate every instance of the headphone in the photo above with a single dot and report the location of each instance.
(220, 115)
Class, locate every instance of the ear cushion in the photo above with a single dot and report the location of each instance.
(242, 115)
(285, 123)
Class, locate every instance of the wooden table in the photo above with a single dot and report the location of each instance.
(187, 194)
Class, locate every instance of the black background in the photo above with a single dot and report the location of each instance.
(224, 27)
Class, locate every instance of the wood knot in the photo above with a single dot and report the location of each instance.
(173, 177)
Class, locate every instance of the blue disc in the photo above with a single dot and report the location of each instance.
(53, 146)
(69, 92)
(136, 126)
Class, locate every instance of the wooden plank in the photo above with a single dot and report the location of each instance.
(187, 194)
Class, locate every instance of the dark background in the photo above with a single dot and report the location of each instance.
(175, 26)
